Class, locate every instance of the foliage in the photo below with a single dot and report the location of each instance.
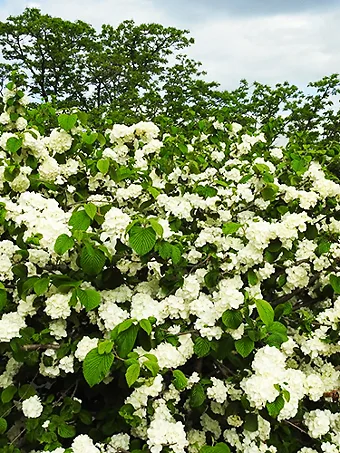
(174, 290)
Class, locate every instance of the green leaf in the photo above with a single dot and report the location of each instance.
(103, 165)
(3, 299)
(132, 374)
(265, 311)
(152, 366)
(96, 366)
(92, 260)
(13, 144)
(176, 254)
(91, 210)
(89, 298)
(277, 327)
(8, 393)
(276, 406)
(211, 278)
(231, 227)
(41, 286)
(79, 220)
(251, 423)
(105, 347)
(244, 346)
(146, 325)
(180, 381)
(157, 227)
(311, 232)
(201, 347)
(126, 340)
(220, 447)
(232, 319)
(124, 325)
(142, 240)
(26, 391)
(67, 122)
(276, 339)
(66, 431)
(63, 244)
(3, 425)
(89, 139)
(269, 192)
(335, 283)
(252, 278)
(197, 395)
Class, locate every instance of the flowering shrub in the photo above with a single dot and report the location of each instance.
(166, 292)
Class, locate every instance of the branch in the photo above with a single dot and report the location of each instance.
(35, 347)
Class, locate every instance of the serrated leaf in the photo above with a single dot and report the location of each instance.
(13, 144)
(79, 220)
(276, 339)
(124, 325)
(232, 319)
(105, 347)
(230, 227)
(251, 422)
(89, 139)
(269, 192)
(63, 243)
(157, 227)
(41, 286)
(91, 210)
(103, 165)
(26, 391)
(92, 260)
(252, 278)
(146, 325)
(66, 431)
(132, 374)
(180, 381)
(89, 298)
(3, 425)
(8, 393)
(126, 340)
(197, 395)
(152, 366)
(3, 299)
(96, 366)
(211, 278)
(335, 283)
(265, 311)
(176, 254)
(220, 447)
(67, 122)
(142, 240)
(276, 406)
(244, 346)
(201, 347)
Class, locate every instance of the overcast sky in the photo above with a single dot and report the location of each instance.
(265, 40)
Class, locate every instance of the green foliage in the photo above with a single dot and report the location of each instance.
(96, 366)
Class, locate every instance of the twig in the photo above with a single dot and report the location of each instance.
(34, 347)
(296, 427)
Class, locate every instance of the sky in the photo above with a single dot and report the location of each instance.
(269, 41)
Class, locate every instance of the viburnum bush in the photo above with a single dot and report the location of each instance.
(175, 292)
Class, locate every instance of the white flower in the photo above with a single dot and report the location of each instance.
(57, 306)
(32, 407)
(10, 325)
(85, 345)
(84, 444)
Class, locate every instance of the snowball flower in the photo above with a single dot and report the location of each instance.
(32, 407)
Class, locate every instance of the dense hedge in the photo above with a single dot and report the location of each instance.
(166, 291)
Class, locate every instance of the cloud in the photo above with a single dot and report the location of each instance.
(299, 47)
(95, 12)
